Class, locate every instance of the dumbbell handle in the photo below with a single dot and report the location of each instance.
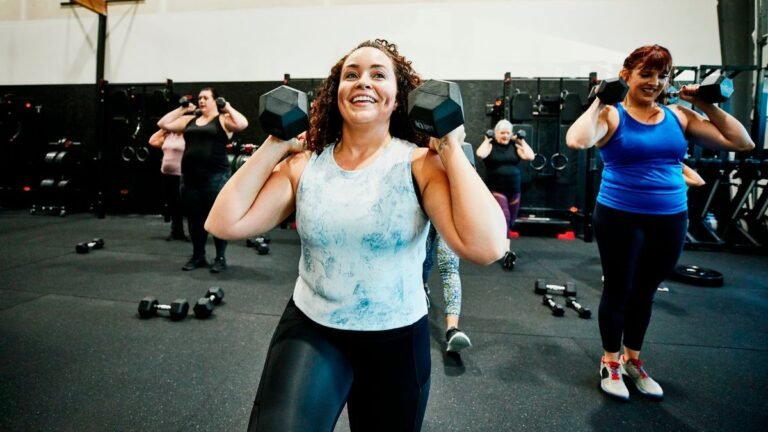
(163, 307)
(583, 312)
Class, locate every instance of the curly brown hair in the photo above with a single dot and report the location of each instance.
(325, 118)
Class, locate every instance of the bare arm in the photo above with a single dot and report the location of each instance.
(691, 177)
(176, 120)
(484, 149)
(157, 138)
(524, 151)
(232, 119)
(261, 194)
(590, 128)
(719, 130)
(457, 201)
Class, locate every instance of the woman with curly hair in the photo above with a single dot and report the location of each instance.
(355, 331)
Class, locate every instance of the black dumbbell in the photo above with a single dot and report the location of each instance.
(490, 133)
(610, 91)
(148, 307)
(260, 243)
(509, 260)
(713, 89)
(283, 112)
(85, 247)
(542, 287)
(556, 309)
(204, 306)
(221, 103)
(184, 101)
(581, 310)
(435, 108)
(519, 134)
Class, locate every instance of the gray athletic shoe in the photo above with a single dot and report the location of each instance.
(456, 340)
(611, 381)
(633, 368)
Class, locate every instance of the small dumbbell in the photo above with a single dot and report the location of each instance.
(184, 101)
(260, 243)
(204, 306)
(581, 310)
(542, 287)
(148, 307)
(221, 103)
(556, 309)
(85, 247)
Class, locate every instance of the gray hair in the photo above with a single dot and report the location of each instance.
(502, 124)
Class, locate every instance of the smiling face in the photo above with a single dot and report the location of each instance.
(367, 87)
(503, 135)
(645, 85)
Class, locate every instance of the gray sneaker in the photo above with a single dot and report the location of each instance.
(456, 340)
(633, 368)
(611, 381)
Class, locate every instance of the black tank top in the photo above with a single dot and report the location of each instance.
(501, 168)
(205, 150)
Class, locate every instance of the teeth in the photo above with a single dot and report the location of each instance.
(362, 99)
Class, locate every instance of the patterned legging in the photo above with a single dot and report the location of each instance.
(448, 266)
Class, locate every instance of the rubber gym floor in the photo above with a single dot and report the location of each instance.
(75, 356)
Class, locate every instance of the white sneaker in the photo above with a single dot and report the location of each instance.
(611, 381)
(633, 368)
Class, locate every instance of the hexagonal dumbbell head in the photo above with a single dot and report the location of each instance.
(203, 308)
(148, 307)
(612, 90)
(179, 309)
(283, 112)
(435, 108)
(215, 294)
(715, 89)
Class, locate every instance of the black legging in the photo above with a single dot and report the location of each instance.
(172, 195)
(311, 371)
(198, 196)
(637, 252)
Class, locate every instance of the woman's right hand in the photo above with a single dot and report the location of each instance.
(293, 145)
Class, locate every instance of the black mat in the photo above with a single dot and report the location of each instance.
(74, 356)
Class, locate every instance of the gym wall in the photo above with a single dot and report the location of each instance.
(245, 40)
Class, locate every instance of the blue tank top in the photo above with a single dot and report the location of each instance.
(643, 170)
(362, 242)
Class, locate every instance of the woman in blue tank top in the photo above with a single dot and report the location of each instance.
(640, 217)
(355, 332)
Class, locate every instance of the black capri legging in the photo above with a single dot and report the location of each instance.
(637, 252)
(311, 371)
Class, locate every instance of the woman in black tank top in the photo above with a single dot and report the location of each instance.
(204, 166)
(503, 174)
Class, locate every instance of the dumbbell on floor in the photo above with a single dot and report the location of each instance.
(85, 247)
(556, 309)
(260, 243)
(204, 306)
(581, 310)
(542, 287)
(148, 307)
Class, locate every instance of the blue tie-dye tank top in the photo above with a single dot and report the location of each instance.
(362, 242)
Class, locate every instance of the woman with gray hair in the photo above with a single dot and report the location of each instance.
(502, 170)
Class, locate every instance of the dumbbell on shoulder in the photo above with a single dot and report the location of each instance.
(148, 307)
(435, 108)
(85, 247)
(283, 112)
(713, 89)
(542, 287)
(610, 91)
(204, 306)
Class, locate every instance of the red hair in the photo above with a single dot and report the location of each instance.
(653, 57)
